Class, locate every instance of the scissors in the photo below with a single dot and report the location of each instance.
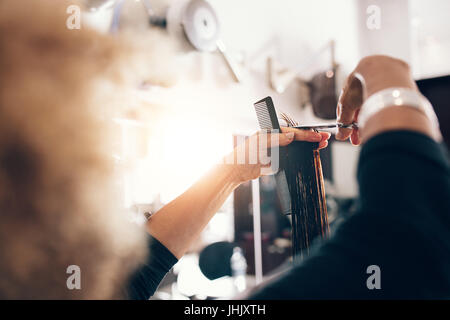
(336, 125)
(292, 123)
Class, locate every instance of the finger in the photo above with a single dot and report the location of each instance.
(275, 139)
(303, 135)
(345, 115)
(355, 138)
(343, 133)
(285, 138)
(349, 102)
(353, 133)
(323, 144)
(342, 115)
(325, 135)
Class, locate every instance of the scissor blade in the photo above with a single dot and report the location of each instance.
(328, 126)
(318, 127)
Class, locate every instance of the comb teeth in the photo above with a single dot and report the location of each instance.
(266, 114)
(263, 115)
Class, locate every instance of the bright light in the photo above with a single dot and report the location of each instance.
(180, 149)
(190, 129)
(188, 147)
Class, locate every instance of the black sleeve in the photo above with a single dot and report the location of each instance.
(146, 279)
(402, 226)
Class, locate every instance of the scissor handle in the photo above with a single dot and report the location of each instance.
(352, 125)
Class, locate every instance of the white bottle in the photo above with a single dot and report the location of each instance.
(238, 269)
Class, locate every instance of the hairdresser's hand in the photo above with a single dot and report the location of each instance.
(250, 159)
(373, 73)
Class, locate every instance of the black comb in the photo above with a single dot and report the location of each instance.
(268, 120)
(266, 114)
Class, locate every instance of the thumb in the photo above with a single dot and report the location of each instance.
(349, 102)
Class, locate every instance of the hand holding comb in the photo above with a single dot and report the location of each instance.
(299, 183)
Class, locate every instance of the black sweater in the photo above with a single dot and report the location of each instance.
(402, 226)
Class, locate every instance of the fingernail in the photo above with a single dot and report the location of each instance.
(290, 135)
(317, 136)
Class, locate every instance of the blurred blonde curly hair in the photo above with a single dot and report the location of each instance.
(57, 192)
